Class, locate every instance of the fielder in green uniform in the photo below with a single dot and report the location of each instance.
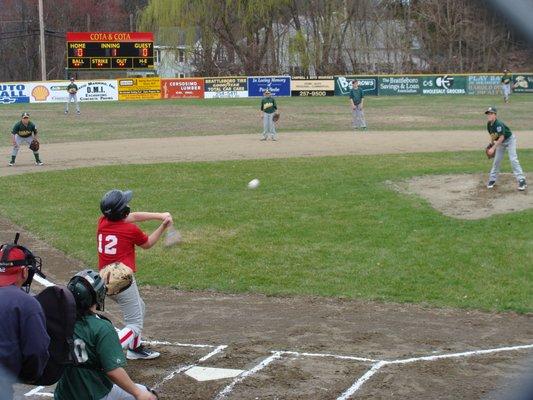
(503, 139)
(23, 132)
(99, 374)
(268, 108)
(507, 80)
(356, 101)
(72, 90)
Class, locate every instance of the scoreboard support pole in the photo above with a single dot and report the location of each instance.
(43, 48)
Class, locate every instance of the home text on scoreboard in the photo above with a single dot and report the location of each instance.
(110, 50)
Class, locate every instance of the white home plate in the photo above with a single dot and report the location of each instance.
(210, 374)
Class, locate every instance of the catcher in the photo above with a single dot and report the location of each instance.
(25, 132)
(502, 139)
(72, 90)
(269, 115)
(99, 372)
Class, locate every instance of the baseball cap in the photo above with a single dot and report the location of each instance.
(10, 274)
(25, 115)
(491, 110)
(71, 78)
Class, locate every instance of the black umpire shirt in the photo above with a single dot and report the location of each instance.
(23, 339)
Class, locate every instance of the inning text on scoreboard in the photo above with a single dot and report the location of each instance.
(110, 50)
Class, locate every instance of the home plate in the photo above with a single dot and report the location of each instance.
(210, 374)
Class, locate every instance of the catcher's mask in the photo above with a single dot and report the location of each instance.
(114, 204)
(15, 256)
(88, 288)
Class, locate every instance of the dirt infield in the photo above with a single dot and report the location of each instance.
(300, 347)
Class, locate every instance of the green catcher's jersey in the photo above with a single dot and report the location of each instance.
(98, 351)
(498, 128)
(268, 105)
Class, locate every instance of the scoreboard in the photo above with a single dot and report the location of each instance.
(110, 50)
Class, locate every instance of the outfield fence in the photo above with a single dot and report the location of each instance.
(154, 88)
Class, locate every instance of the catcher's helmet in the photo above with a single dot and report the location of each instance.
(88, 288)
(114, 204)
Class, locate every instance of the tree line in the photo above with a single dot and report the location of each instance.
(255, 37)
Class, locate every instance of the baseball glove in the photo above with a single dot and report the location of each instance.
(117, 277)
(72, 91)
(276, 116)
(489, 155)
(34, 145)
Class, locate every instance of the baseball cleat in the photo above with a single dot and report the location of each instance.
(141, 353)
(11, 164)
(522, 185)
(66, 112)
(39, 163)
(491, 184)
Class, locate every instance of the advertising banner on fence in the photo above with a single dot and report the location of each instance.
(484, 84)
(443, 84)
(56, 92)
(278, 85)
(343, 84)
(139, 88)
(182, 88)
(14, 93)
(228, 87)
(523, 83)
(398, 85)
(318, 86)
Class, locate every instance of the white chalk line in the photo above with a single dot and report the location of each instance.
(189, 366)
(358, 383)
(224, 392)
(326, 355)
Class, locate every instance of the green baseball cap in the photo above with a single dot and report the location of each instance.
(491, 110)
(25, 115)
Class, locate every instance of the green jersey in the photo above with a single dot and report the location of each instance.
(356, 95)
(72, 86)
(268, 105)
(98, 351)
(498, 128)
(24, 130)
(506, 79)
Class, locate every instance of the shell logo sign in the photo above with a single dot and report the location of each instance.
(40, 93)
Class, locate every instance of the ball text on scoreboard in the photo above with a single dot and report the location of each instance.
(110, 50)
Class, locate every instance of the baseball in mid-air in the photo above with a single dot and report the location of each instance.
(254, 183)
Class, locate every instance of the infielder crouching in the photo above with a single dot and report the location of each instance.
(117, 236)
(24, 132)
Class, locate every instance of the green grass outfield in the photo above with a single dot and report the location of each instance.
(164, 118)
(315, 226)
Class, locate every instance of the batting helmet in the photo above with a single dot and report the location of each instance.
(88, 288)
(114, 204)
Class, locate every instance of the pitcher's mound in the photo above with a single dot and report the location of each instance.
(467, 197)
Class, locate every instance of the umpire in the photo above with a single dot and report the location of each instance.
(23, 338)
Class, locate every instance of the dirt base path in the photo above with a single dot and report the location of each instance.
(300, 347)
(236, 147)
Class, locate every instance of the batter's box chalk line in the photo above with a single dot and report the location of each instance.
(376, 365)
(38, 391)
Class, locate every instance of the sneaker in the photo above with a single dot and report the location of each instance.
(39, 163)
(11, 164)
(491, 184)
(141, 353)
(522, 185)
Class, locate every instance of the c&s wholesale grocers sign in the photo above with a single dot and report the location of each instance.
(139, 88)
(182, 88)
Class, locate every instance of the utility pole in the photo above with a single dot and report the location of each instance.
(43, 49)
